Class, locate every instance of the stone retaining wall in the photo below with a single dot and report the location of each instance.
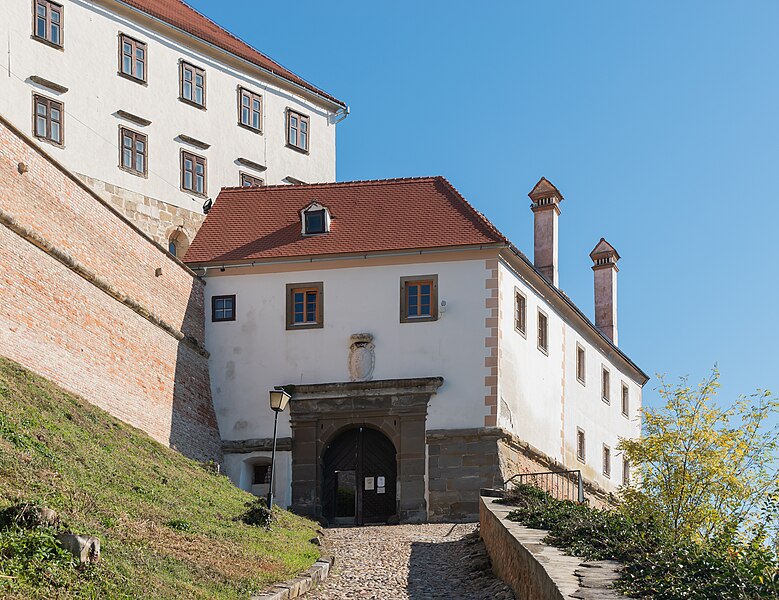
(536, 571)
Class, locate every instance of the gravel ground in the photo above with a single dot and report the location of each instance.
(416, 562)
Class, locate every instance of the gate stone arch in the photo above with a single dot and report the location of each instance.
(395, 407)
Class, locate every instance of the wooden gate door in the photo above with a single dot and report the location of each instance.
(360, 478)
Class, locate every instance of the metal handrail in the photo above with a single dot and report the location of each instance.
(551, 483)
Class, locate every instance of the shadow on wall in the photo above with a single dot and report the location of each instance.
(456, 569)
(193, 427)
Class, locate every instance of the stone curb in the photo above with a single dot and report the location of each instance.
(305, 582)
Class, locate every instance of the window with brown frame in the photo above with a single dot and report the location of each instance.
(520, 312)
(305, 305)
(605, 385)
(625, 472)
(223, 308)
(581, 371)
(418, 298)
(580, 445)
(192, 84)
(251, 181)
(47, 22)
(625, 400)
(48, 120)
(297, 130)
(543, 332)
(132, 58)
(133, 151)
(193, 173)
(249, 109)
(606, 461)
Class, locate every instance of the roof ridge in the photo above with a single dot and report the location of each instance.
(355, 182)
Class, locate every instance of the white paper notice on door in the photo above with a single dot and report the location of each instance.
(380, 482)
(379, 490)
(369, 483)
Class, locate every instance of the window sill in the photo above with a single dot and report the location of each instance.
(544, 351)
(606, 401)
(192, 103)
(418, 319)
(132, 172)
(132, 78)
(49, 142)
(250, 128)
(297, 148)
(520, 332)
(46, 42)
(293, 327)
(194, 193)
(582, 381)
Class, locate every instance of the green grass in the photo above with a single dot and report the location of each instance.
(165, 523)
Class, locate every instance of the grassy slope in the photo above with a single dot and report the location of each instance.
(108, 479)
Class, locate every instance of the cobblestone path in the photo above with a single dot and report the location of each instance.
(410, 562)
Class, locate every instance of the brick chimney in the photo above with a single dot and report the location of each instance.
(546, 200)
(605, 258)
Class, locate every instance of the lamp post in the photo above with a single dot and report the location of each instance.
(278, 402)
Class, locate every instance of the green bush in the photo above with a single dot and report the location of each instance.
(33, 557)
(258, 513)
(657, 565)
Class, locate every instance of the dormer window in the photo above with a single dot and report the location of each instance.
(315, 219)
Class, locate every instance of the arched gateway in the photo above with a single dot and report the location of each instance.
(359, 478)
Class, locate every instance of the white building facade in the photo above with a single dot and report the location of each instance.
(411, 319)
(156, 107)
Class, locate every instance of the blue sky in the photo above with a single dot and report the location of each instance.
(658, 121)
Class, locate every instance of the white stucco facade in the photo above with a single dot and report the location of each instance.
(87, 67)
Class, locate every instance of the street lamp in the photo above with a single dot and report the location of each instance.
(278, 402)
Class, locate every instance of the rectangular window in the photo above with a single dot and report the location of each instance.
(304, 305)
(48, 120)
(261, 474)
(625, 400)
(625, 472)
(418, 298)
(193, 173)
(297, 130)
(47, 24)
(605, 391)
(249, 109)
(606, 461)
(192, 81)
(581, 371)
(223, 308)
(543, 333)
(251, 181)
(520, 312)
(580, 449)
(132, 151)
(132, 58)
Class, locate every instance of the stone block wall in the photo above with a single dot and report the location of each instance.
(91, 303)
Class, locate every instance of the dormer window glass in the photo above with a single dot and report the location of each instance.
(315, 221)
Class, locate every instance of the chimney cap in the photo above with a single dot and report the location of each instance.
(544, 189)
(604, 250)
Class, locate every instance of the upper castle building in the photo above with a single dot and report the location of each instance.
(156, 107)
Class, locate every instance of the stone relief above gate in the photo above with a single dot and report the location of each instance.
(361, 357)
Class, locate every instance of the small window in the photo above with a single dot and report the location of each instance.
(581, 371)
(315, 221)
(297, 130)
(418, 298)
(223, 308)
(580, 448)
(625, 400)
(178, 243)
(193, 173)
(132, 151)
(606, 461)
(543, 333)
(605, 391)
(48, 120)
(520, 312)
(132, 58)
(48, 22)
(192, 81)
(304, 306)
(249, 109)
(251, 181)
(625, 472)
(261, 474)
(173, 247)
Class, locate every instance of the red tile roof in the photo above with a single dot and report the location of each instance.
(367, 216)
(184, 17)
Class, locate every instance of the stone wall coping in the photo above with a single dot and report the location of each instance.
(298, 586)
(283, 444)
(380, 387)
(570, 576)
